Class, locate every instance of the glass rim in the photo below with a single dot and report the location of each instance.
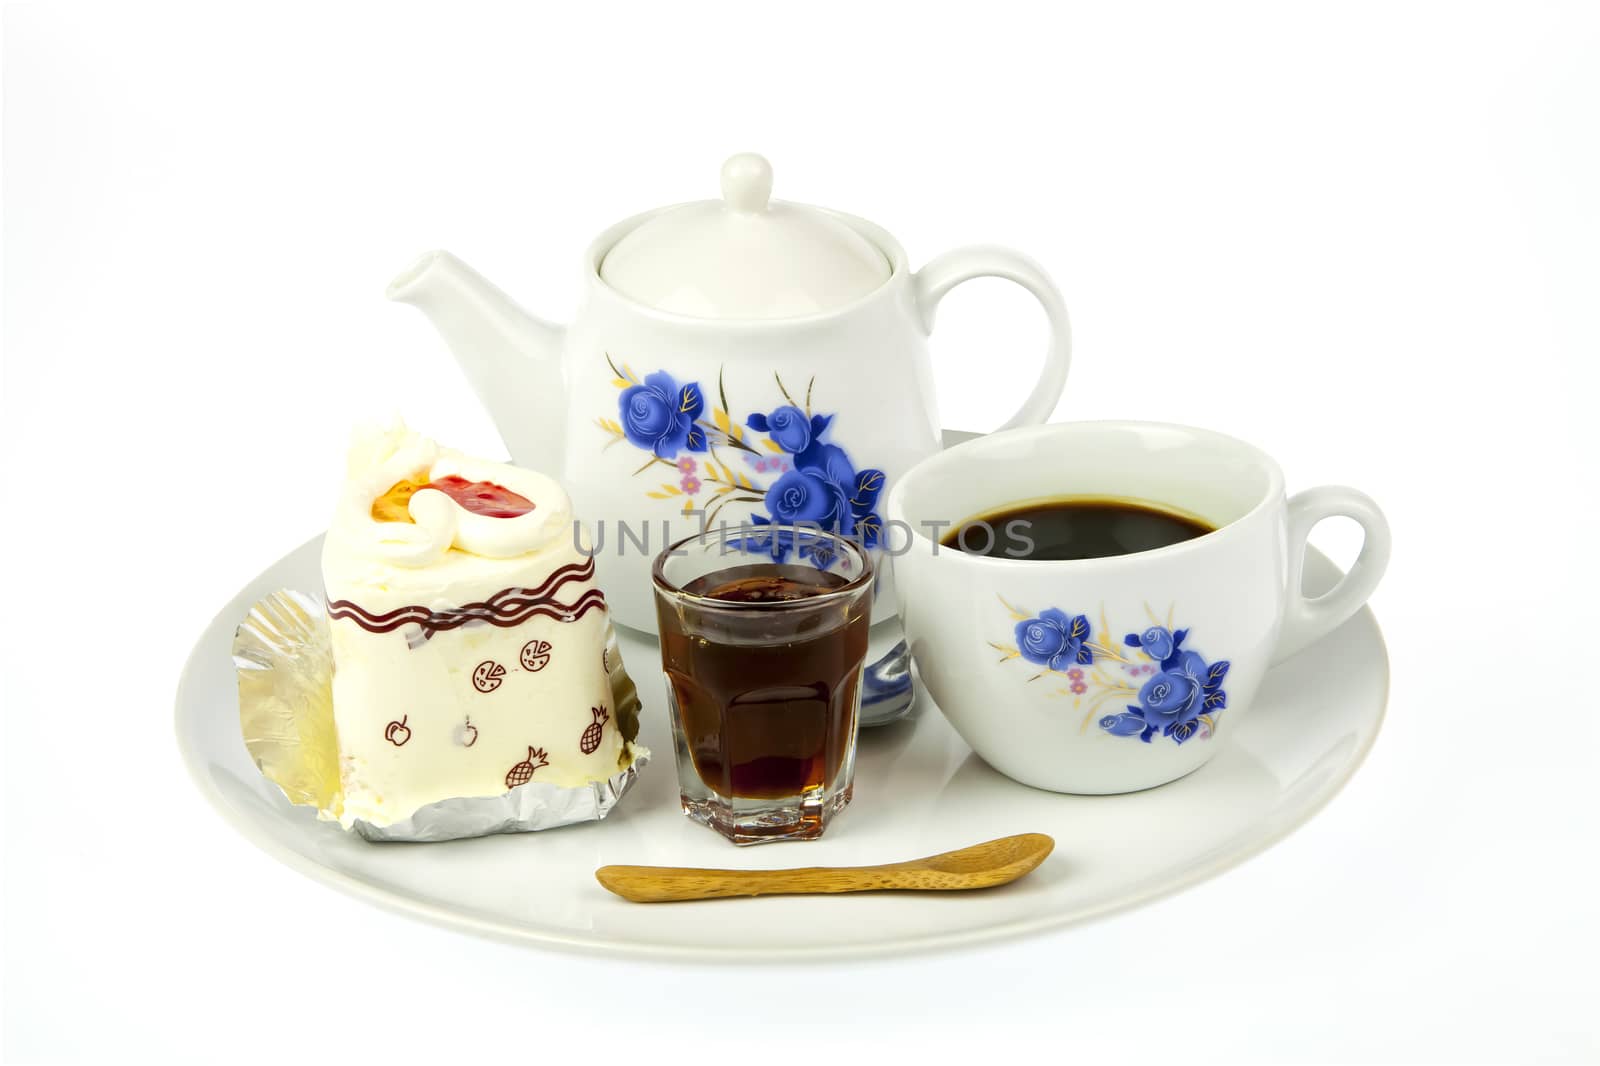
(855, 585)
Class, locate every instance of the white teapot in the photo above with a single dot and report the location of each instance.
(739, 360)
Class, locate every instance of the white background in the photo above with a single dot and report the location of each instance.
(1364, 237)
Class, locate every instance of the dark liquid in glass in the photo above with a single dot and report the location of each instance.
(1077, 528)
(767, 720)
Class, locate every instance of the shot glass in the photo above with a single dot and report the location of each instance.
(763, 637)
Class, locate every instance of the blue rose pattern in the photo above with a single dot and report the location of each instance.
(788, 427)
(660, 417)
(1181, 698)
(1172, 701)
(1055, 640)
(824, 486)
(1156, 642)
(821, 487)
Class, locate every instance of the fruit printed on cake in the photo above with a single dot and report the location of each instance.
(592, 733)
(397, 733)
(522, 773)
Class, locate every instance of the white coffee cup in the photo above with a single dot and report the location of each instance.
(1113, 674)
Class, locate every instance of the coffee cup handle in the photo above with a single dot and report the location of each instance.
(1307, 620)
(943, 273)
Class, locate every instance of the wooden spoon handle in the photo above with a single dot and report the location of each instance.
(662, 884)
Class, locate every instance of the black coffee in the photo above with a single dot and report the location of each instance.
(1073, 528)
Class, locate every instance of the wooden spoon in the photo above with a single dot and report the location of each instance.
(996, 862)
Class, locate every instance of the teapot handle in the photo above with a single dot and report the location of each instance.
(943, 273)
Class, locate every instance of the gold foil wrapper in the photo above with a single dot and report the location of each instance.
(283, 654)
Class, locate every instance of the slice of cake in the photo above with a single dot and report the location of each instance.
(469, 638)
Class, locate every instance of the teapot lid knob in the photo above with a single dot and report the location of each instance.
(744, 256)
(747, 183)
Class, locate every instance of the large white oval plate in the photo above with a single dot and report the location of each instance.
(919, 790)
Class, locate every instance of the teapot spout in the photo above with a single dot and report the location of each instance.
(512, 359)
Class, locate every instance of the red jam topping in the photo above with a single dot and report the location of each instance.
(483, 497)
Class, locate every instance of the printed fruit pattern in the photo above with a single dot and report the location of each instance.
(487, 675)
(535, 655)
(591, 735)
(522, 773)
(397, 733)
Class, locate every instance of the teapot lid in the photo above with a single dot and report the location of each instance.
(744, 256)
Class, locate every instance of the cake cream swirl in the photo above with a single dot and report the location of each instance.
(380, 460)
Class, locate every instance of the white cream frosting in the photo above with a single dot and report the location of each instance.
(381, 459)
(545, 682)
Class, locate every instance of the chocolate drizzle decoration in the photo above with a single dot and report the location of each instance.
(506, 608)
